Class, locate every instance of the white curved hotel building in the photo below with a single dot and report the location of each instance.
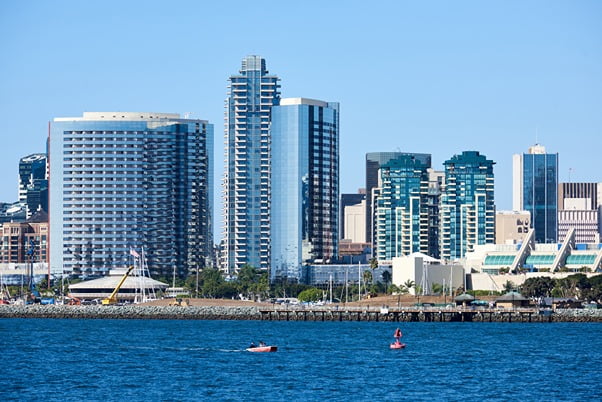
(130, 181)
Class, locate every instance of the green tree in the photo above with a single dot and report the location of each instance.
(373, 263)
(594, 292)
(211, 280)
(509, 286)
(227, 290)
(437, 288)
(248, 276)
(537, 287)
(261, 286)
(310, 295)
(391, 289)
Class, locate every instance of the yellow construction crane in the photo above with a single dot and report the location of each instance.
(112, 299)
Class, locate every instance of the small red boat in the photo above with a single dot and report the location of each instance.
(397, 345)
(265, 348)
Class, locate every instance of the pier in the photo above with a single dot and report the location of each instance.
(418, 314)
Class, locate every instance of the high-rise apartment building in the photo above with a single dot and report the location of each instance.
(33, 183)
(401, 207)
(305, 185)
(467, 204)
(374, 160)
(246, 185)
(535, 186)
(130, 181)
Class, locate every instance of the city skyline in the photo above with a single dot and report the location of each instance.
(438, 78)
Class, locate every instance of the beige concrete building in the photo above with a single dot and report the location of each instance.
(511, 227)
(355, 222)
(425, 271)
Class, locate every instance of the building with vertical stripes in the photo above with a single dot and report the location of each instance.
(121, 181)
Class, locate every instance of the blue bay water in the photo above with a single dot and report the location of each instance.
(117, 360)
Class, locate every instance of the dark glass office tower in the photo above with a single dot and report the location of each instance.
(535, 189)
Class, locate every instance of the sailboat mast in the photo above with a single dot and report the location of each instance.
(359, 282)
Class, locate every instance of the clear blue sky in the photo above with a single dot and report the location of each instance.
(424, 76)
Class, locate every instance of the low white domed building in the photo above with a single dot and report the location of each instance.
(134, 288)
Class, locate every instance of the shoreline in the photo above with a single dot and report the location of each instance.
(273, 313)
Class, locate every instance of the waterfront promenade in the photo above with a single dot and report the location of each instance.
(268, 312)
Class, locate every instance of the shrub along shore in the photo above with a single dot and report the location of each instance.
(335, 313)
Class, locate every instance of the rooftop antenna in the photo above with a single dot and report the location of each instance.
(536, 135)
(570, 170)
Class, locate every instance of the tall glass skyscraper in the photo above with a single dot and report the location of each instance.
(401, 208)
(122, 181)
(305, 185)
(246, 213)
(467, 204)
(535, 189)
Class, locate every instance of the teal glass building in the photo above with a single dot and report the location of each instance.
(305, 186)
(535, 189)
(246, 184)
(467, 204)
(374, 160)
(121, 181)
(401, 207)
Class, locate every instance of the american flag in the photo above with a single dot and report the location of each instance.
(134, 253)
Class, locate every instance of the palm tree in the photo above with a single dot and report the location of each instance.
(367, 276)
(509, 286)
(409, 284)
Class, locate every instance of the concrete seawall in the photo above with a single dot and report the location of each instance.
(297, 314)
(131, 312)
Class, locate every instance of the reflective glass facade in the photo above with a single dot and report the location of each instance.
(467, 204)
(401, 208)
(246, 213)
(130, 180)
(540, 197)
(33, 183)
(305, 185)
